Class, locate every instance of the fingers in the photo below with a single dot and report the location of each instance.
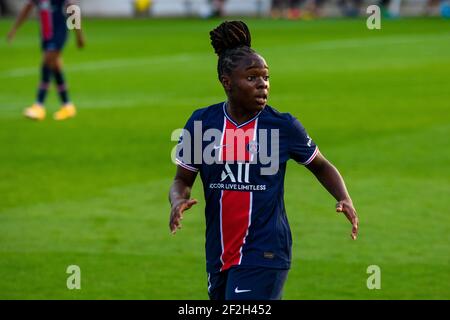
(11, 35)
(190, 203)
(351, 216)
(177, 214)
(175, 225)
(350, 213)
(354, 221)
(175, 220)
(354, 227)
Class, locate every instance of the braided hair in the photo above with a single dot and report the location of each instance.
(231, 42)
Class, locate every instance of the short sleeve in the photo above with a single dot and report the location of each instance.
(301, 147)
(186, 147)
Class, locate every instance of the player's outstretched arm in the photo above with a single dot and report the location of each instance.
(80, 38)
(332, 180)
(179, 197)
(23, 15)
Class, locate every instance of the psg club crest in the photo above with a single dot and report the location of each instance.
(253, 147)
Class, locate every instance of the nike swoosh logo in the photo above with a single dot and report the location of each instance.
(240, 291)
(218, 147)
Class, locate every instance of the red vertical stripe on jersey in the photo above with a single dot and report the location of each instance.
(236, 140)
(235, 220)
(46, 19)
(235, 205)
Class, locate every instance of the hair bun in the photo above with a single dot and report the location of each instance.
(230, 35)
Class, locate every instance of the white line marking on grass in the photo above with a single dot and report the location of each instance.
(107, 64)
(362, 42)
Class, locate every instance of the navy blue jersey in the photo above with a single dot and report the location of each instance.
(52, 17)
(246, 222)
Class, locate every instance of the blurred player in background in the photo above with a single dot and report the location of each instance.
(350, 8)
(142, 7)
(52, 17)
(217, 7)
(4, 9)
(313, 9)
(286, 8)
(296, 9)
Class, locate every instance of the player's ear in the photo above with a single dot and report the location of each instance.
(226, 82)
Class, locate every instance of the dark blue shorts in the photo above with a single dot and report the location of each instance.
(56, 43)
(247, 283)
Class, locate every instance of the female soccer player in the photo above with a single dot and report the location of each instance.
(248, 238)
(52, 16)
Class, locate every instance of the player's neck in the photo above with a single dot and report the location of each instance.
(238, 113)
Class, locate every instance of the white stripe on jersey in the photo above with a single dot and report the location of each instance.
(186, 166)
(316, 151)
(249, 223)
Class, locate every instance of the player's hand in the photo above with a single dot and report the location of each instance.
(80, 42)
(11, 35)
(346, 206)
(176, 215)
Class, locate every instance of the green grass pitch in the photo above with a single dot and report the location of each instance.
(93, 191)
